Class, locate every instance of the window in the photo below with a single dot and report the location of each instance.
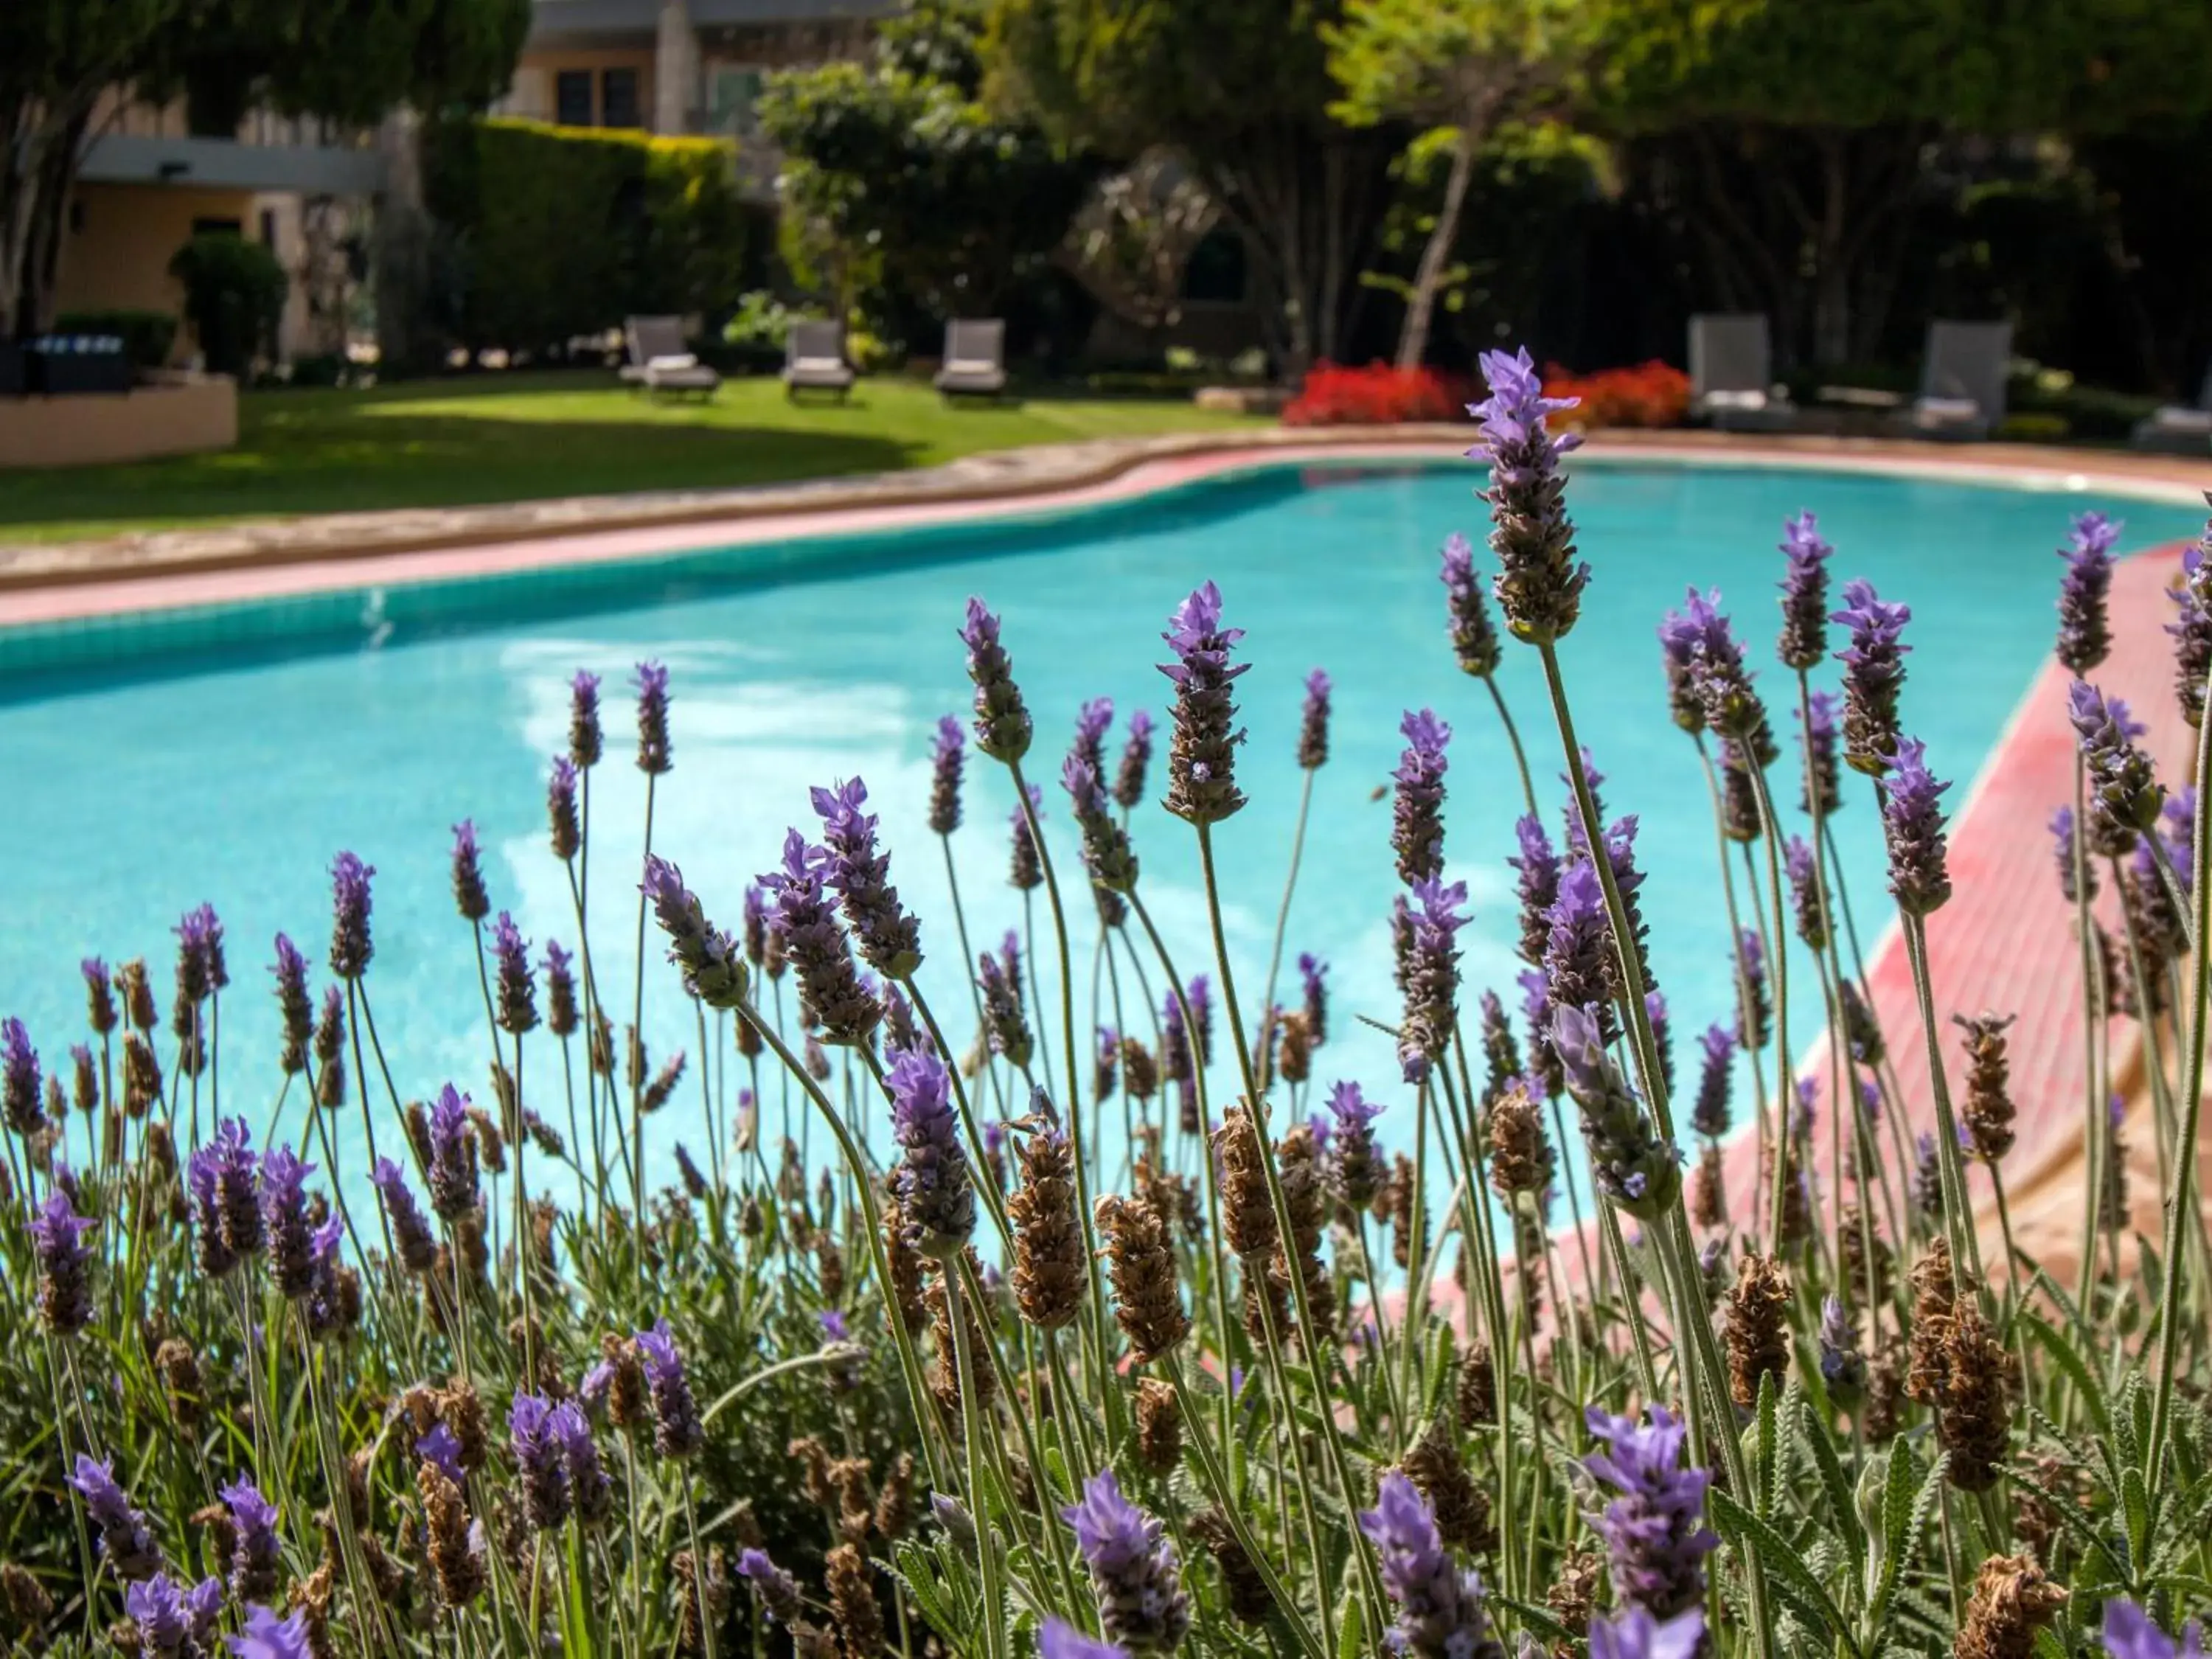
(218, 228)
(732, 98)
(268, 228)
(618, 98)
(572, 98)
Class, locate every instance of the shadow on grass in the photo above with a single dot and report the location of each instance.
(297, 458)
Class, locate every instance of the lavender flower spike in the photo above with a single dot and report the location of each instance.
(452, 1173)
(1816, 736)
(1202, 745)
(777, 1589)
(539, 1459)
(889, 936)
(516, 997)
(1804, 638)
(267, 1637)
(1630, 1163)
(1440, 1608)
(2125, 793)
(654, 750)
(1002, 721)
(1106, 851)
(1313, 722)
(1656, 1541)
(1092, 721)
(1061, 1640)
(20, 1104)
(1431, 984)
(64, 1265)
(1704, 639)
(295, 1007)
(469, 896)
(2191, 629)
(1874, 674)
(125, 1542)
(254, 1547)
(563, 823)
(350, 945)
(1709, 1116)
(714, 967)
(1416, 832)
(289, 1233)
(1355, 1162)
(937, 1198)
(1537, 886)
(1913, 823)
(948, 752)
(1474, 639)
(586, 743)
(1632, 1633)
(1538, 584)
(677, 1430)
(1142, 1605)
(2128, 1633)
(2085, 636)
(1136, 757)
(1578, 954)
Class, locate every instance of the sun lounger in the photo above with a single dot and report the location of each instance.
(1732, 373)
(659, 362)
(2179, 427)
(1962, 381)
(814, 360)
(974, 359)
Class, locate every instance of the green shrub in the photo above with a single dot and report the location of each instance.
(235, 295)
(563, 231)
(147, 335)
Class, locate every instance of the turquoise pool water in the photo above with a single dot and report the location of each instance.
(232, 775)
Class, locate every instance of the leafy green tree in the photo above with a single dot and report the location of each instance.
(897, 166)
(1241, 90)
(1459, 65)
(1797, 133)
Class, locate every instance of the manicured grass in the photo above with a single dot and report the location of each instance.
(454, 443)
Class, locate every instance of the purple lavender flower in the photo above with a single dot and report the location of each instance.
(1440, 1608)
(1629, 1163)
(1592, 781)
(1702, 636)
(1004, 1025)
(199, 957)
(294, 1006)
(889, 936)
(947, 756)
(1536, 1013)
(654, 751)
(99, 995)
(708, 957)
(829, 984)
(286, 1228)
(1136, 757)
(1432, 977)
(20, 1103)
(350, 945)
(64, 1265)
(1106, 851)
(1355, 1163)
(590, 1491)
(677, 1430)
(1843, 1367)
(170, 1619)
(1754, 1023)
(1632, 1633)
(1199, 994)
(1313, 974)
(1913, 823)
(2085, 639)
(1710, 1116)
(1002, 722)
(1928, 1177)
(1025, 867)
(1805, 893)
(1538, 584)
(1417, 830)
(1092, 721)
(1474, 639)
(225, 1199)
(1178, 1064)
(563, 1012)
(2128, 1633)
(1133, 1572)
(1537, 886)
(1804, 640)
(1655, 1011)
(1816, 736)
(777, 1589)
(2125, 793)
(1874, 674)
(453, 1156)
(411, 1240)
(1676, 658)
(1578, 947)
(2191, 629)
(441, 1450)
(936, 1196)
(515, 996)
(267, 1637)
(254, 1548)
(585, 742)
(1655, 1533)
(562, 821)
(469, 896)
(125, 1542)
(539, 1461)
(1059, 1640)
(1202, 743)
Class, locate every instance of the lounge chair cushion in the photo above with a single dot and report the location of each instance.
(1948, 410)
(1745, 400)
(672, 363)
(2174, 418)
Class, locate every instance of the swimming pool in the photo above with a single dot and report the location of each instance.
(232, 775)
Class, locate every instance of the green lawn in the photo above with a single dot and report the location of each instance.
(443, 444)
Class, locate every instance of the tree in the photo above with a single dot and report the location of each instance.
(1459, 64)
(1240, 90)
(898, 164)
(348, 60)
(1131, 243)
(1797, 133)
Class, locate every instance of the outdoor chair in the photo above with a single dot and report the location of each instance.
(2177, 426)
(814, 360)
(1732, 374)
(660, 362)
(1962, 381)
(974, 359)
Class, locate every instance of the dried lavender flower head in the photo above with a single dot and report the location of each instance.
(1912, 823)
(1313, 721)
(1540, 583)
(1441, 1614)
(1474, 639)
(655, 752)
(2084, 637)
(1202, 742)
(1133, 1572)
(1874, 675)
(1804, 641)
(1002, 720)
(937, 1198)
(1655, 1537)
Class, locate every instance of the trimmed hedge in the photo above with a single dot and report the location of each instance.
(564, 231)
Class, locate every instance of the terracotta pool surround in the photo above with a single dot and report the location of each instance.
(2004, 943)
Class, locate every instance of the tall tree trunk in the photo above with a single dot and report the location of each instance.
(1429, 276)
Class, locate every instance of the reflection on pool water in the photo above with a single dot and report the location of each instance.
(234, 781)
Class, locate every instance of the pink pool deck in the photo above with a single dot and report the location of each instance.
(2003, 944)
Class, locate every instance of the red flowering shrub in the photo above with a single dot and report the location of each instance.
(1377, 395)
(1649, 394)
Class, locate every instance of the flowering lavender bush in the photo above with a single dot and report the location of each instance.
(1090, 1341)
